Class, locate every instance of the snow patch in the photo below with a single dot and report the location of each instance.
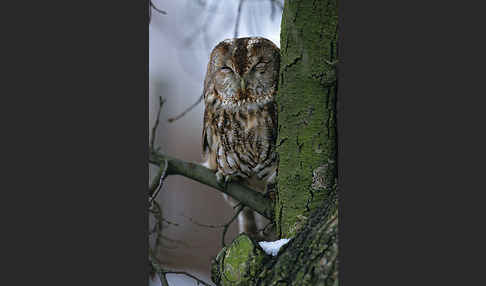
(272, 247)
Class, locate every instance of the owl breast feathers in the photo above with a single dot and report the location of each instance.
(240, 117)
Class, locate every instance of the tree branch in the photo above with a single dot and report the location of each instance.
(226, 227)
(158, 181)
(153, 134)
(248, 197)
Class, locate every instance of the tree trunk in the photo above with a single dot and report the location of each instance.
(311, 258)
(306, 202)
(306, 111)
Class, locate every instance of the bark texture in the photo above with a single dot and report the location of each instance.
(311, 258)
(307, 111)
(239, 263)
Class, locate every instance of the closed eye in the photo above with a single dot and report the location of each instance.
(225, 68)
(260, 67)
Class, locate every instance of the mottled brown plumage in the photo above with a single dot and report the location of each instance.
(240, 117)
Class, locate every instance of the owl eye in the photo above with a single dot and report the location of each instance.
(225, 68)
(260, 67)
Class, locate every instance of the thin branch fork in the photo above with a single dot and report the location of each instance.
(152, 5)
(248, 197)
(224, 226)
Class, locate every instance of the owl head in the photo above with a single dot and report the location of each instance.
(242, 72)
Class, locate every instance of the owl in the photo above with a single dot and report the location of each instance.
(240, 118)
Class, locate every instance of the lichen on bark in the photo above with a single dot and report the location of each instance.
(306, 109)
(311, 258)
(239, 263)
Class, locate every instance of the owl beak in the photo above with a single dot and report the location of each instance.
(242, 84)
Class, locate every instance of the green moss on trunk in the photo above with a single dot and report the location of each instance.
(311, 258)
(239, 263)
(306, 102)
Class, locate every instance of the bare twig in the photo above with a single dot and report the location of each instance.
(156, 124)
(157, 186)
(277, 3)
(164, 220)
(170, 222)
(149, 11)
(158, 268)
(158, 226)
(187, 110)
(187, 274)
(176, 241)
(158, 181)
(264, 229)
(152, 5)
(272, 11)
(201, 3)
(162, 272)
(238, 14)
(156, 211)
(205, 225)
(226, 227)
(273, 5)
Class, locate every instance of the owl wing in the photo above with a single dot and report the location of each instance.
(205, 142)
(208, 150)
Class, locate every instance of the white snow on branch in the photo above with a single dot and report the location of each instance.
(272, 247)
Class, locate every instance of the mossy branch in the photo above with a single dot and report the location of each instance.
(248, 197)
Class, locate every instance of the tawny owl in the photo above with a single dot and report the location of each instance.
(240, 117)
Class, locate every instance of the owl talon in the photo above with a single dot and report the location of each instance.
(270, 188)
(223, 180)
(270, 191)
(228, 179)
(220, 178)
